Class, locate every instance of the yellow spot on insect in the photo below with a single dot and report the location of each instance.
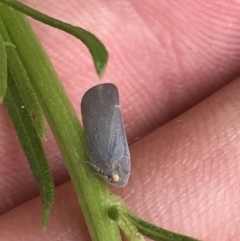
(115, 178)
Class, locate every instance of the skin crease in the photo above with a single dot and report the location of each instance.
(165, 57)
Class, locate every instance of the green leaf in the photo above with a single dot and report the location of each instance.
(95, 47)
(3, 69)
(153, 232)
(131, 225)
(31, 145)
(22, 82)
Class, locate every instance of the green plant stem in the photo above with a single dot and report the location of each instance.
(3, 69)
(92, 192)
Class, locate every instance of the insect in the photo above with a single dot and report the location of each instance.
(105, 137)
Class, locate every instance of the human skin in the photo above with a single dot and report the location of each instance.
(165, 57)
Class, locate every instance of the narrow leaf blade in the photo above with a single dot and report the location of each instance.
(31, 145)
(156, 233)
(94, 45)
(23, 84)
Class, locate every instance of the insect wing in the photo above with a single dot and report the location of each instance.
(104, 132)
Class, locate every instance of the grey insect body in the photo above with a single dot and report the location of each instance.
(105, 137)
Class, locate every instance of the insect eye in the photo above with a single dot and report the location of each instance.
(115, 178)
